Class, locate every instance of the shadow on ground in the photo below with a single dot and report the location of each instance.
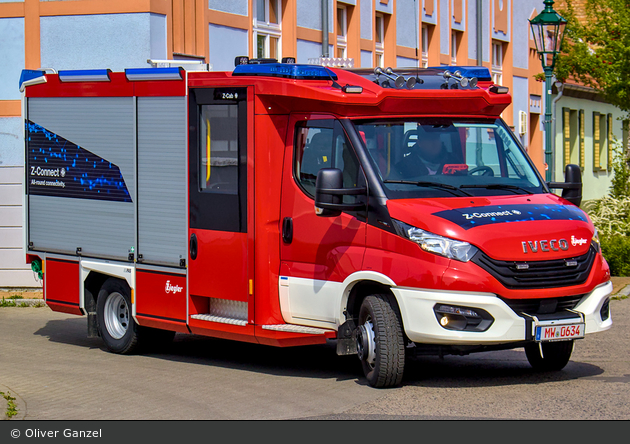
(497, 368)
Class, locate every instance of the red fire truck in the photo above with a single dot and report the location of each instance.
(393, 212)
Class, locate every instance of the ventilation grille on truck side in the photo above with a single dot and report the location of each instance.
(538, 274)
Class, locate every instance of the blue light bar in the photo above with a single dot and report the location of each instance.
(31, 77)
(286, 71)
(481, 72)
(85, 75)
(174, 73)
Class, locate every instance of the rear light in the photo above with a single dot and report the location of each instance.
(453, 317)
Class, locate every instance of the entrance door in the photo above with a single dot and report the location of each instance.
(218, 201)
(322, 251)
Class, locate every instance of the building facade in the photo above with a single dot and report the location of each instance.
(119, 34)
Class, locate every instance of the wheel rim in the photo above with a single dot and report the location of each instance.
(116, 314)
(366, 343)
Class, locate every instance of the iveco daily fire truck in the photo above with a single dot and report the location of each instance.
(288, 204)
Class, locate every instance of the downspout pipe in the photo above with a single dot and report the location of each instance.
(325, 28)
(479, 33)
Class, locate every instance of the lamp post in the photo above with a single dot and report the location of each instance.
(548, 29)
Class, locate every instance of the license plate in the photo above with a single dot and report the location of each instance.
(559, 332)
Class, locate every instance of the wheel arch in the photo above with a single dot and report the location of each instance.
(360, 285)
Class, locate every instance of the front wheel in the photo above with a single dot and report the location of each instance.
(380, 341)
(549, 356)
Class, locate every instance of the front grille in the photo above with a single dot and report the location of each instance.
(543, 306)
(538, 274)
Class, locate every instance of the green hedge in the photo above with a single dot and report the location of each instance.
(616, 251)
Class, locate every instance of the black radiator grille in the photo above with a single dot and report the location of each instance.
(543, 306)
(538, 274)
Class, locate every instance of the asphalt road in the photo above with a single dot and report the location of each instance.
(56, 373)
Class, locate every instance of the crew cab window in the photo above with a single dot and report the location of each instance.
(219, 154)
(323, 144)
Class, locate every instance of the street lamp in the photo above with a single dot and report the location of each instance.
(548, 29)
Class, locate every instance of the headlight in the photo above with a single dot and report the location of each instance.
(595, 240)
(433, 243)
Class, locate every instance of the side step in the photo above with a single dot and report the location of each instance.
(290, 328)
(221, 319)
(224, 311)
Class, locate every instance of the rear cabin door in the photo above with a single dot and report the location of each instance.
(219, 269)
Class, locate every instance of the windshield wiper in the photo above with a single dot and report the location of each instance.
(444, 186)
(498, 186)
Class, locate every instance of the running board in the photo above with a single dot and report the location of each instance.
(290, 328)
(220, 319)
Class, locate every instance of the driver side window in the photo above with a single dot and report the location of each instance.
(323, 144)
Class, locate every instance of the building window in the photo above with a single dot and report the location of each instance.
(609, 140)
(455, 41)
(572, 140)
(581, 132)
(342, 31)
(267, 30)
(380, 39)
(600, 132)
(425, 45)
(497, 62)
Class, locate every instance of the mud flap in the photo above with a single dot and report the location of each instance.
(346, 341)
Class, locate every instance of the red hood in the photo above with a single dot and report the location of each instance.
(521, 228)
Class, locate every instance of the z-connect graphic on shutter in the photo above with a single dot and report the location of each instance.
(58, 167)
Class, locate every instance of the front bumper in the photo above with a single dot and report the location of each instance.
(422, 326)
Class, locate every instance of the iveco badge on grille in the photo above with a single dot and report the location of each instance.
(545, 245)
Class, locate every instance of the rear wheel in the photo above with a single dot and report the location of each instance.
(116, 326)
(549, 356)
(115, 323)
(380, 341)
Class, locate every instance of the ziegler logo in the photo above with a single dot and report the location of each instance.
(576, 242)
(546, 245)
(172, 288)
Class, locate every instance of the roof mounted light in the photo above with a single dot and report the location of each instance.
(499, 89)
(352, 89)
(31, 77)
(287, 71)
(241, 60)
(138, 74)
(85, 75)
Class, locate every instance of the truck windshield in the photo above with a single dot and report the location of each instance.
(447, 158)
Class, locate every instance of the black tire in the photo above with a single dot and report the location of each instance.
(115, 323)
(555, 355)
(382, 353)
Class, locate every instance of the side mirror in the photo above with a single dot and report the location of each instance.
(329, 193)
(572, 185)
